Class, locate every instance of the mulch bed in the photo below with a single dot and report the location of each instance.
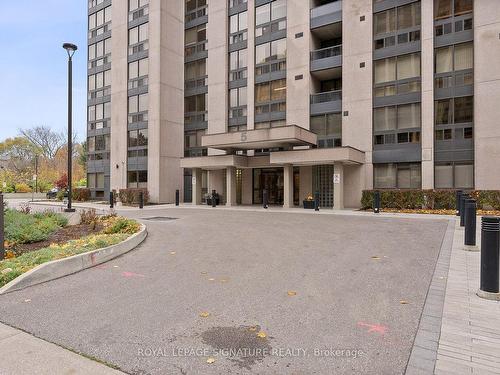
(63, 235)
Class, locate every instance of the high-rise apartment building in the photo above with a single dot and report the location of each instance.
(293, 97)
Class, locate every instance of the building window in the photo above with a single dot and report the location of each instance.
(195, 40)
(238, 26)
(195, 103)
(328, 128)
(137, 38)
(138, 138)
(448, 8)
(137, 179)
(138, 103)
(454, 176)
(238, 65)
(270, 18)
(238, 102)
(454, 58)
(398, 23)
(192, 143)
(270, 96)
(454, 110)
(389, 71)
(404, 116)
(270, 57)
(397, 176)
(136, 4)
(233, 3)
(139, 68)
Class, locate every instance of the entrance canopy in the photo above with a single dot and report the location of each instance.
(283, 136)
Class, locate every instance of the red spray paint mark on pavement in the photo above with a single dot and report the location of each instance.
(375, 328)
(132, 274)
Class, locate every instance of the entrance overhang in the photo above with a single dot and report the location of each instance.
(283, 136)
(318, 156)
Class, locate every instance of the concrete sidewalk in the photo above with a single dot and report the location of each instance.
(23, 353)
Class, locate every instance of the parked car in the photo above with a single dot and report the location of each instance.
(52, 193)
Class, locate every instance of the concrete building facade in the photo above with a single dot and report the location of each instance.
(292, 97)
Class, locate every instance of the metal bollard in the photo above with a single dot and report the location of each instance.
(490, 249)
(264, 199)
(141, 200)
(2, 249)
(316, 201)
(463, 197)
(458, 196)
(376, 202)
(111, 199)
(470, 225)
(177, 197)
(214, 203)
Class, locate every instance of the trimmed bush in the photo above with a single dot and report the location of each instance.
(429, 199)
(81, 194)
(25, 228)
(115, 225)
(130, 197)
(22, 188)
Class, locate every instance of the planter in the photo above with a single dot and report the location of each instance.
(209, 201)
(308, 205)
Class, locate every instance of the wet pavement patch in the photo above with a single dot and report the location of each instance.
(238, 344)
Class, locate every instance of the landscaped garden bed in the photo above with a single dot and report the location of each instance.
(34, 239)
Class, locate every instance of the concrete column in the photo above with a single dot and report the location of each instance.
(288, 186)
(197, 186)
(246, 186)
(231, 186)
(338, 187)
(427, 95)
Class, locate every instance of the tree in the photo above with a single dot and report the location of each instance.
(48, 141)
(62, 182)
(18, 153)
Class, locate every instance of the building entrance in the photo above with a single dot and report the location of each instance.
(270, 179)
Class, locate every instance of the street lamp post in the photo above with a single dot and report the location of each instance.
(71, 49)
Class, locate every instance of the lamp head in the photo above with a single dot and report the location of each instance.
(70, 48)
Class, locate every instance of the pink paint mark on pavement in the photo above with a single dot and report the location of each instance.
(374, 328)
(131, 274)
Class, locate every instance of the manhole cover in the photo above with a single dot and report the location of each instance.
(160, 218)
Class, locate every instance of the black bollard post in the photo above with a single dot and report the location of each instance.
(141, 200)
(111, 200)
(316, 201)
(376, 202)
(2, 249)
(214, 202)
(458, 196)
(264, 199)
(470, 225)
(490, 249)
(177, 197)
(463, 197)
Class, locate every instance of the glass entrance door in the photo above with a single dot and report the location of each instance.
(270, 179)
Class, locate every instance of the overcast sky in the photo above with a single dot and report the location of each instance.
(33, 64)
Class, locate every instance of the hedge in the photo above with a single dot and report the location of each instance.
(429, 199)
(131, 196)
(81, 194)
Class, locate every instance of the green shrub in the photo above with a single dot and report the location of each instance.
(60, 194)
(490, 199)
(22, 188)
(25, 228)
(121, 225)
(81, 194)
(131, 196)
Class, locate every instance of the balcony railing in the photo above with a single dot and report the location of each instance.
(329, 8)
(324, 97)
(195, 48)
(327, 52)
(195, 83)
(197, 13)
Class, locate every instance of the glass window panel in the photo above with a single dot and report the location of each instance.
(107, 14)
(409, 116)
(442, 8)
(262, 93)
(464, 111)
(242, 21)
(262, 53)
(408, 66)
(278, 49)
(132, 104)
(404, 178)
(334, 124)
(444, 59)
(318, 125)
(385, 70)
(408, 15)
(143, 67)
(242, 58)
(132, 69)
(385, 22)
(384, 176)
(442, 110)
(143, 32)
(233, 24)
(444, 176)
(91, 113)
(464, 176)
(233, 98)
(190, 36)
(233, 60)
(278, 89)
(464, 56)
(99, 111)
(278, 9)
(262, 14)
(463, 7)
(384, 118)
(107, 110)
(242, 96)
(143, 102)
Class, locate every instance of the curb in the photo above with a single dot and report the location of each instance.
(62, 267)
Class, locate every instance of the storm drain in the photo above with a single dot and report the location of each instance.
(160, 218)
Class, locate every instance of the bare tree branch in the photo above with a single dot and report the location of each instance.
(44, 138)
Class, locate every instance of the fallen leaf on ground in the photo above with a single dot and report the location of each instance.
(116, 267)
(27, 300)
(375, 257)
(223, 280)
(204, 272)
(252, 329)
(403, 302)
(261, 335)
(211, 279)
(292, 293)
(172, 253)
(204, 314)
(211, 360)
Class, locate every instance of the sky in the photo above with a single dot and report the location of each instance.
(33, 65)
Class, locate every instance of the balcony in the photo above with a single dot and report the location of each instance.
(326, 102)
(326, 58)
(196, 17)
(196, 51)
(326, 14)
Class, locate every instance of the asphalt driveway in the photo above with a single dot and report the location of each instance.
(327, 293)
